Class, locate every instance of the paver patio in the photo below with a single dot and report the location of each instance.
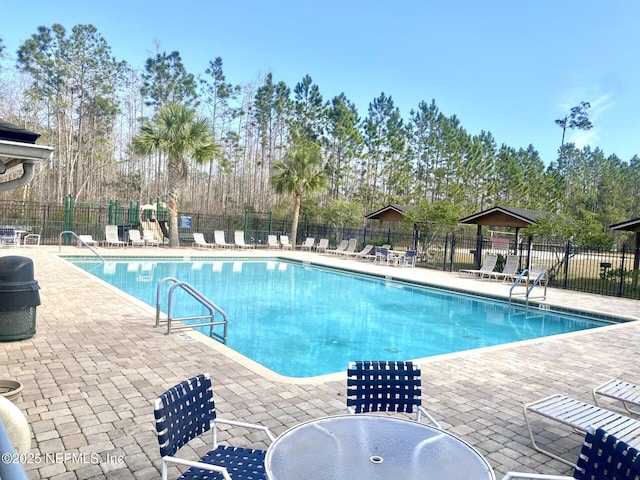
(96, 364)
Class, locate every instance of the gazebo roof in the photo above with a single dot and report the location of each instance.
(629, 225)
(505, 217)
(390, 213)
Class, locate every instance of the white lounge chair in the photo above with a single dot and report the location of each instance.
(150, 239)
(580, 416)
(285, 243)
(350, 249)
(200, 242)
(363, 254)
(86, 240)
(626, 392)
(340, 248)
(272, 242)
(487, 267)
(219, 241)
(111, 237)
(322, 245)
(308, 244)
(135, 238)
(238, 237)
(510, 269)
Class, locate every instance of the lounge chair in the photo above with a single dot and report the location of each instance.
(580, 416)
(626, 392)
(238, 238)
(150, 239)
(111, 237)
(322, 245)
(272, 241)
(86, 240)
(200, 242)
(219, 241)
(285, 243)
(535, 270)
(340, 248)
(351, 247)
(385, 387)
(487, 267)
(363, 254)
(186, 411)
(510, 269)
(135, 238)
(603, 456)
(308, 244)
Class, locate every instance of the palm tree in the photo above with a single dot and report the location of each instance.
(176, 132)
(299, 173)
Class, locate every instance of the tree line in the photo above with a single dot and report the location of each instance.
(90, 106)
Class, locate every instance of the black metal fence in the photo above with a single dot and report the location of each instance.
(608, 272)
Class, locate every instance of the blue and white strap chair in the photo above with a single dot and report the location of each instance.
(603, 457)
(381, 386)
(185, 412)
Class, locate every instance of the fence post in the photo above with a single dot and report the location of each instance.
(444, 257)
(567, 253)
(453, 251)
(621, 284)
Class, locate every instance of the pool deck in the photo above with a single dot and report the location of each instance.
(96, 364)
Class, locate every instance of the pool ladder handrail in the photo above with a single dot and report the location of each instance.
(528, 289)
(208, 304)
(80, 240)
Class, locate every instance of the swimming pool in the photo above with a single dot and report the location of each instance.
(301, 320)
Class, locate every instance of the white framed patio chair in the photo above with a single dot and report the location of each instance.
(111, 237)
(272, 241)
(150, 239)
(186, 411)
(285, 243)
(322, 245)
(200, 242)
(308, 243)
(219, 240)
(136, 239)
(238, 238)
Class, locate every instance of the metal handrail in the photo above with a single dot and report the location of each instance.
(528, 289)
(211, 307)
(80, 240)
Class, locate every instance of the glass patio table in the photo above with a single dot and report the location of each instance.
(368, 447)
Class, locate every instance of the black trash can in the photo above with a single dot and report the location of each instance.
(19, 298)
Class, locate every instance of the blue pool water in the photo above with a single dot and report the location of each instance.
(301, 321)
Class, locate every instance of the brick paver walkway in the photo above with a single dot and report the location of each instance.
(95, 366)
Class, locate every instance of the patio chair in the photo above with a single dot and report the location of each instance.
(238, 238)
(186, 411)
(112, 238)
(149, 238)
(285, 243)
(219, 241)
(272, 242)
(602, 457)
(308, 244)
(86, 240)
(487, 267)
(384, 256)
(380, 386)
(510, 269)
(136, 239)
(200, 242)
(340, 248)
(580, 416)
(8, 236)
(408, 259)
(626, 392)
(322, 245)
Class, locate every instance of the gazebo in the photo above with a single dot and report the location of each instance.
(631, 226)
(390, 213)
(502, 217)
(18, 148)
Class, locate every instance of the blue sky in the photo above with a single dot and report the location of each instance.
(510, 67)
